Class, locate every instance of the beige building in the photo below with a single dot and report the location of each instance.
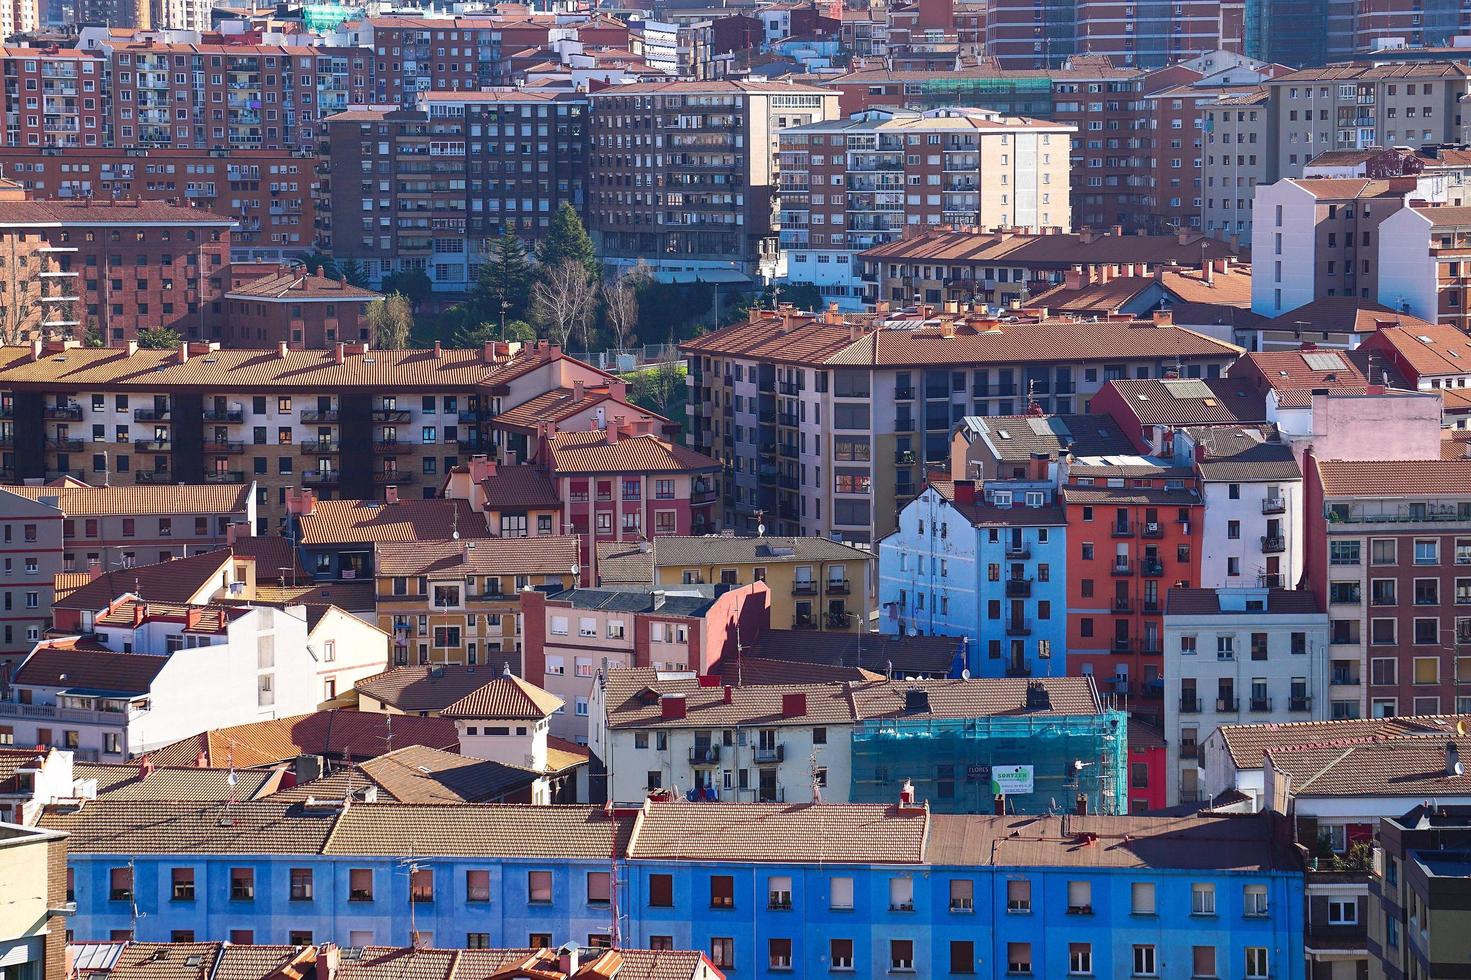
(1240, 152)
(33, 883)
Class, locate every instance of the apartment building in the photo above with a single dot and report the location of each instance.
(851, 184)
(1134, 527)
(295, 307)
(764, 391)
(53, 97)
(347, 422)
(986, 561)
(429, 187)
(1425, 357)
(1240, 153)
(1155, 35)
(411, 55)
(997, 268)
(684, 174)
(33, 863)
(1418, 884)
(1236, 656)
(1319, 32)
(457, 601)
(682, 628)
(1385, 546)
(31, 557)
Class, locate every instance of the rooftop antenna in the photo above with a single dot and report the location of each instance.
(816, 783)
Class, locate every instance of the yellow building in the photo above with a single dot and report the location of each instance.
(815, 583)
(33, 899)
(454, 602)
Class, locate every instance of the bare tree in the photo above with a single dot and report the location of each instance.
(562, 301)
(621, 301)
(20, 289)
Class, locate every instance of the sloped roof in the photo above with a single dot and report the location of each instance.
(416, 688)
(1246, 744)
(175, 581)
(299, 284)
(1207, 602)
(1429, 348)
(716, 549)
(1338, 314)
(831, 832)
(65, 664)
(625, 563)
(165, 499)
(1190, 401)
(981, 697)
(1244, 454)
(1395, 478)
(1402, 767)
(333, 733)
(127, 782)
(520, 486)
(532, 555)
(505, 698)
(591, 452)
(368, 521)
(1048, 251)
(1017, 437)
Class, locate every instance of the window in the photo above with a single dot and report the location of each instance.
(1144, 962)
(301, 884)
(779, 892)
(1256, 962)
(421, 885)
(1019, 958)
(1254, 901)
(477, 940)
(1202, 898)
(840, 954)
(183, 884)
(539, 887)
(779, 954)
(901, 955)
(722, 892)
(1079, 959)
(1343, 911)
(661, 891)
(901, 894)
(1080, 898)
(962, 956)
(1204, 959)
(1427, 551)
(242, 884)
(722, 952)
(962, 895)
(477, 886)
(360, 885)
(599, 888)
(1142, 898)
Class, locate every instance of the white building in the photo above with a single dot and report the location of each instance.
(146, 674)
(508, 720)
(1234, 656)
(1252, 486)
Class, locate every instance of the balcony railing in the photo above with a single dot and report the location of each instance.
(1273, 544)
(151, 414)
(1299, 703)
(804, 623)
(1018, 627)
(1018, 552)
(1152, 568)
(225, 476)
(152, 446)
(770, 755)
(393, 476)
(1269, 580)
(1344, 679)
(1018, 588)
(321, 478)
(837, 586)
(1121, 644)
(152, 476)
(1123, 529)
(72, 412)
(1228, 704)
(1274, 505)
(1260, 704)
(1122, 604)
(804, 587)
(223, 447)
(1189, 706)
(319, 415)
(64, 445)
(839, 620)
(224, 415)
(1152, 529)
(704, 755)
(1121, 567)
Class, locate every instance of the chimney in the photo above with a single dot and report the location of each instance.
(201, 761)
(794, 705)
(1208, 274)
(340, 354)
(965, 492)
(1164, 318)
(1453, 765)
(729, 695)
(577, 390)
(1037, 465)
(906, 794)
(145, 767)
(94, 569)
(232, 531)
(947, 329)
(1074, 278)
(672, 707)
(132, 347)
(615, 429)
(568, 959)
(37, 347)
(281, 349)
(390, 494)
(1080, 805)
(140, 610)
(488, 351)
(437, 350)
(1117, 231)
(301, 502)
(831, 314)
(192, 617)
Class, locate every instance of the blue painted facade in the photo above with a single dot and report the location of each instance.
(990, 566)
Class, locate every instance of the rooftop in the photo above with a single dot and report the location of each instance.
(1247, 743)
(373, 521)
(416, 688)
(1243, 454)
(518, 487)
(1428, 348)
(504, 698)
(1395, 478)
(532, 555)
(1017, 437)
(1189, 401)
(335, 734)
(175, 581)
(669, 600)
(592, 452)
(1048, 251)
(296, 285)
(79, 500)
(1414, 767)
(1207, 602)
(718, 549)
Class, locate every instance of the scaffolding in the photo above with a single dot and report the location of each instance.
(951, 761)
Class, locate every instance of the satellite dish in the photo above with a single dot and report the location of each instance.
(455, 535)
(760, 530)
(913, 631)
(965, 673)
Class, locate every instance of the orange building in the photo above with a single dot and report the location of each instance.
(1132, 534)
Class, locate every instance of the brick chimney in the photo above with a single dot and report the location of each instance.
(1163, 318)
(437, 351)
(672, 707)
(390, 494)
(281, 350)
(145, 767)
(578, 390)
(94, 569)
(794, 705)
(339, 353)
(301, 501)
(1037, 465)
(965, 492)
(183, 352)
(729, 695)
(192, 617)
(614, 430)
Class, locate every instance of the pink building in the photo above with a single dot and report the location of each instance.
(570, 636)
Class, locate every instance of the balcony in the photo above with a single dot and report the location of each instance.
(1018, 552)
(223, 447)
(321, 478)
(57, 445)
(1018, 588)
(225, 476)
(1123, 529)
(152, 476)
(904, 458)
(1274, 505)
(1273, 544)
(1152, 568)
(770, 755)
(705, 755)
(319, 415)
(1259, 704)
(1121, 566)
(152, 446)
(1122, 604)
(1344, 678)
(151, 414)
(71, 412)
(1228, 704)
(319, 447)
(1152, 529)
(224, 415)
(804, 623)
(904, 392)
(1299, 703)
(1121, 644)
(839, 620)
(390, 446)
(1189, 750)
(1269, 581)
(393, 476)
(838, 586)
(804, 587)
(1189, 706)
(1018, 627)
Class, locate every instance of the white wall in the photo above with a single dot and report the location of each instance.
(1407, 270)
(1217, 547)
(1282, 277)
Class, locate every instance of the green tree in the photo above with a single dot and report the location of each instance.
(315, 261)
(567, 239)
(92, 335)
(502, 287)
(475, 336)
(520, 330)
(390, 320)
(159, 338)
(802, 295)
(413, 285)
(353, 273)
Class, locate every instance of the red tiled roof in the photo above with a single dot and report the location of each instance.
(80, 213)
(289, 286)
(70, 664)
(1427, 348)
(1059, 251)
(506, 698)
(591, 452)
(76, 499)
(532, 555)
(1395, 478)
(166, 581)
(1189, 401)
(365, 521)
(519, 486)
(335, 733)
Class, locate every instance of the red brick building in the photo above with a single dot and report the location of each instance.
(294, 307)
(53, 97)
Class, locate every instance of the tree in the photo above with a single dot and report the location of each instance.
(802, 296)
(391, 320)
(353, 273)
(92, 335)
(476, 336)
(620, 303)
(659, 387)
(519, 330)
(412, 284)
(315, 261)
(159, 338)
(567, 240)
(502, 287)
(562, 301)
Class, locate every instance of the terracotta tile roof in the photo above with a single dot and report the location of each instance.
(416, 688)
(550, 555)
(165, 961)
(982, 697)
(480, 830)
(1392, 71)
(807, 341)
(1189, 286)
(176, 581)
(1047, 251)
(763, 832)
(1247, 743)
(1017, 437)
(84, 213)
(1207, 602)
(271, 553)
(353, 597)
(1427, 348)
(368, 521)
(1414, 766)
(333, 733)
(126, 782)
(298, 285)
(417, 774)
(215, 618)
(154, 827)
(903, 656)
(756, 671)
(625, 964)
(65, 583)
(259, 962)
(982, 514)
(306, 372)
(562, 403)
(15, 760)
(1143, 736)
(149, 499)
(523, 486)
(563, 755)
(62, 664)
(1244, 454)
(1139, 496)
(590, 452)
(1190, 401)
(1395, 478)
(632, 699)
(1294, 374)
(625, 563)
(409, 963)
(505, 698)
(717, 549)
(713, 87)
(1338, 314)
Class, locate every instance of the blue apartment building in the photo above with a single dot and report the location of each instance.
(986, 561)
(767, 890)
